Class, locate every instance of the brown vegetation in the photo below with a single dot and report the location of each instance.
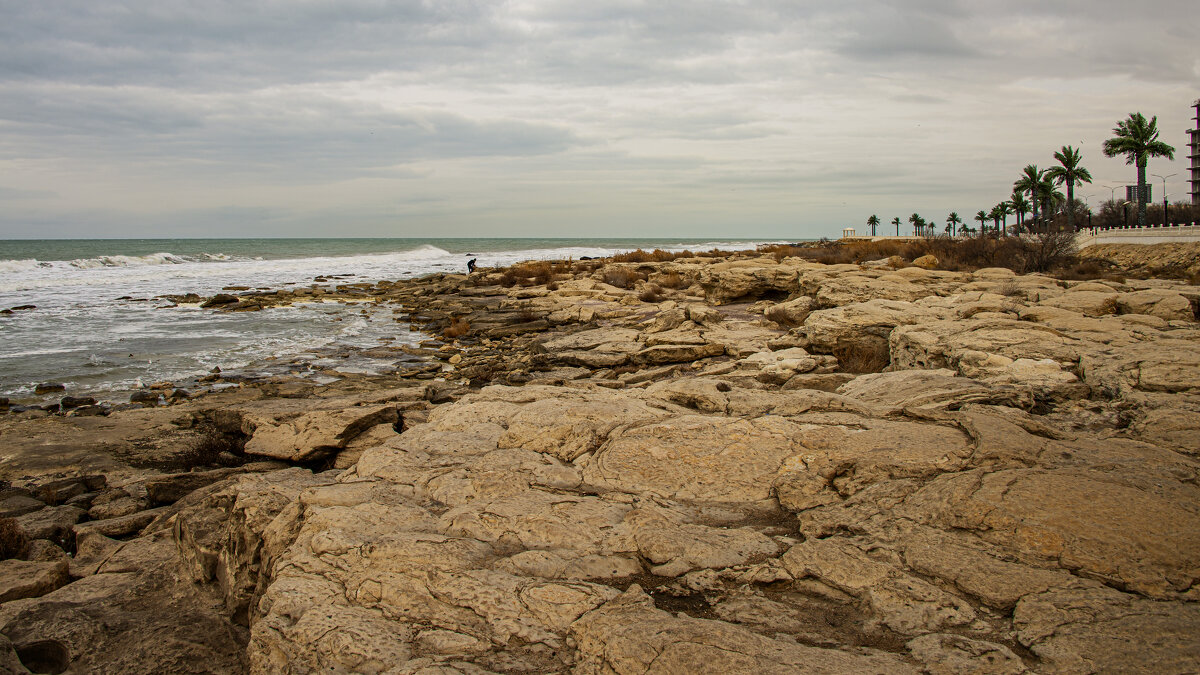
(671, 279)
(620, 277)
(458, 327)
(1048, 252)
(867, 356)
(651, 293)
(12, 539)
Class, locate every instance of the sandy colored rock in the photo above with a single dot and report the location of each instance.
(709, 460)
(1092, 630)
(630, 635)
(25, 579)
(949, 654)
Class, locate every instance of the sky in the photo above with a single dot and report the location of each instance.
(565, 118)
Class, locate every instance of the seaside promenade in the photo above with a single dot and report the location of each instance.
(1151, 234)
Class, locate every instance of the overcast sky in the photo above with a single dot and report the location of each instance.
(774, 119)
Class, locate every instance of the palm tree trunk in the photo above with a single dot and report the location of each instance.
(1141, 193)
(1070, 205)
(1033, 198)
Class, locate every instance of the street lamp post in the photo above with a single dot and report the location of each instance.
(1164, 180)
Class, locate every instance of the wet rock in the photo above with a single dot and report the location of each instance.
(49, 388)
(69, 402)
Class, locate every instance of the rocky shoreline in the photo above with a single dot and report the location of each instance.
(748, 463)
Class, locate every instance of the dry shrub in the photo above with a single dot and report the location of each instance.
(863, 356)
(458, 327)
(651, 293)
(640, 256)
(778, 315)
(671, 279)
(1009, 289)
(12, 538)
(781, 251)
(620, 277)
(528, 274)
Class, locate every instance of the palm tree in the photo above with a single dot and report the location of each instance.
(996, 214)
(1005, 210)
(1019, 206)
(952, 223)
(982, 218)
(915, 220)
(896, 222)
(1049, 198)
(1138, 141)
(873, 221)
(1070, 173)
(1028, 182)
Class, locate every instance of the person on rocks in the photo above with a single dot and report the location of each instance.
(471, 266)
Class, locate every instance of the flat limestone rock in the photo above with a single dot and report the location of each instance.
(568, 429)
(949, 654)
(1094, 631)
(837, 462)
(21, 579)
(310, 435)
(697, 458)
(1104, 525)
(630, 635)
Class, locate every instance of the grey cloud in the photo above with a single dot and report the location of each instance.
(299, 133)
(13, 194)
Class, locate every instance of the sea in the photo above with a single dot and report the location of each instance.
(95, 319)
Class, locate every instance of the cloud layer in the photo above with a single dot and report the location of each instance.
(556, 118)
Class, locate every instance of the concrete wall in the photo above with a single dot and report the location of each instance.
(1136, 235)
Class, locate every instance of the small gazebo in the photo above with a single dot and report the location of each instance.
(847, 232)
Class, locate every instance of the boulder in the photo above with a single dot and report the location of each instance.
(1162, 303)
(926, 262)
(726, 282)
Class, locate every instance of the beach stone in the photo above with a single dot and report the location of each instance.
(145, 398)
(69, 402)
(48, 388)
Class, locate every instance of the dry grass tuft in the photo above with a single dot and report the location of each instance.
(12, 539)
(866, 356)
(651, 293)
(458, 327)
(671, 279)
(621, 277)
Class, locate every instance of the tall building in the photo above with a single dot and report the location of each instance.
(1194, 155)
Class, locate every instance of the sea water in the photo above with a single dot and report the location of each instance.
(101, 326)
